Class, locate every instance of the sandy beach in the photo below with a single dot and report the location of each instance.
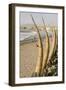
(28, 58)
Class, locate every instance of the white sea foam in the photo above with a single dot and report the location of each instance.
(32, 35)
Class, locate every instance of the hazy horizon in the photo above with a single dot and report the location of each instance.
(49, 18)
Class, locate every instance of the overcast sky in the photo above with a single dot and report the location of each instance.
(49, 18)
